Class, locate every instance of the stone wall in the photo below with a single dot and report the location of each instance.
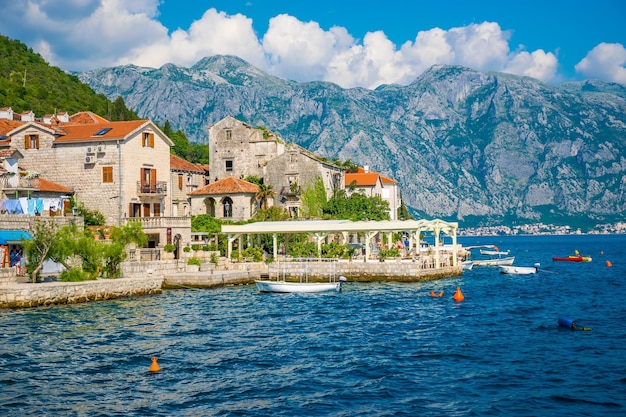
(51, 293)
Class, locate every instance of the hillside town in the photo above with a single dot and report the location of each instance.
(125, 171)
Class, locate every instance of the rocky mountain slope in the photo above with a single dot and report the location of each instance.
(481, 148)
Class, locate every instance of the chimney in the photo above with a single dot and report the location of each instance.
(366, 168)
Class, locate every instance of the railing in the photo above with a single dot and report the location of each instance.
(159, 188)
(160, 222)
(12, 183)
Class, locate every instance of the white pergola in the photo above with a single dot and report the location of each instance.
(320, 229)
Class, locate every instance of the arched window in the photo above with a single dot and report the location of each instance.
(227, 203)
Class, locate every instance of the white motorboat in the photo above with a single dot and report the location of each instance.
(299, 287)
(494, 262)
(518, 270)
(467, 265)
(494, 252)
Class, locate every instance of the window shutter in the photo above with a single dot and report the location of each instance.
(153, 176)
(180, 181)
(131, 211)
(151, 140)
(156, 208)
(37, 141)
(27, 142)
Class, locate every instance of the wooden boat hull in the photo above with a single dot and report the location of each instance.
(573, 258)
(494, 262)
(297, 287)
(517, 270)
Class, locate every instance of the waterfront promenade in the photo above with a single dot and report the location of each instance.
(145, 278)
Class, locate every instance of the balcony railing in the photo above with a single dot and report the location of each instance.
(155, 188)
(20, 183)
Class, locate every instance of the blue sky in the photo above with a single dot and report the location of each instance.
(351, 43)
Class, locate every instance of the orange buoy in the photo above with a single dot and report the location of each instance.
(609, 264)
(432, 293)
(458, 295)
(155, 366)
(440, 293)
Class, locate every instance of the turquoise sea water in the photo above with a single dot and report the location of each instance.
(375, 349)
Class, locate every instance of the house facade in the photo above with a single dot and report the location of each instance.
(185, 178)
(121, 169)
(373, 184)
(238, 150)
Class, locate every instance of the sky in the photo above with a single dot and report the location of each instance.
(350, 43)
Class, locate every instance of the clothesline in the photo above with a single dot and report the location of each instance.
(31, 206)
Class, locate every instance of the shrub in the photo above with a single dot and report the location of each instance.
(74, 275)
(194, 261)
(186, 249)
(169, 248)
(195, 247)
(213, 258)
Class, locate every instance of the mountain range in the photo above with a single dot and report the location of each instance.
(479, 148)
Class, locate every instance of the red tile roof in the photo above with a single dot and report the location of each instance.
(49, 186)
(179, 164)
(8, 125)
(86, 117)
(86, 132)
(369, 179)
(230, 185)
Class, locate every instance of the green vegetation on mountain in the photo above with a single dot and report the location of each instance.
(28, 82)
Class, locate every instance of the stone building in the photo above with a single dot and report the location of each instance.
(226, 199)
(241, 151)
(121, 169)
(185, 179)
(297, 169)
(238, 150)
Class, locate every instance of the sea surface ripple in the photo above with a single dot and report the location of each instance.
(374, 349)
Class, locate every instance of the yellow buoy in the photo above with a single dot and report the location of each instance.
(155, 366)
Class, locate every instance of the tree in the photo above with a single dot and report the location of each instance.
(264, 194)
(314, 199)
(37, 249)
(114, 253)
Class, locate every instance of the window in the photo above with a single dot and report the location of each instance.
(107, 175)
(180, 181)
(148, 180)
(31, 142)
(229, 165)
(148, 140)
(229, 134)
(102, 132)
(228, 207)
(156, 209)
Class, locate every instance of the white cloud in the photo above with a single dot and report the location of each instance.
(605, 62)
(215, 33)
(101, 33)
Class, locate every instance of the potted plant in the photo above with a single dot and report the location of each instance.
(193, 264)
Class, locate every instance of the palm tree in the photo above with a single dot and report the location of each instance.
(264, 194)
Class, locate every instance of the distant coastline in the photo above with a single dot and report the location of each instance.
(541, 229)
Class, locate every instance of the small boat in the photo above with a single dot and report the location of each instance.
(494, 262)
(518, 270)
(574, 258)
(467, 265)
(299, 287)
(493, 252)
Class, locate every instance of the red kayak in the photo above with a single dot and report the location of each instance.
(574, 258)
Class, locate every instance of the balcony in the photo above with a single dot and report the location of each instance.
(17, 183)
(155, 188)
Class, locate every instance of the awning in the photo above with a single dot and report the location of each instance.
(14, 236)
